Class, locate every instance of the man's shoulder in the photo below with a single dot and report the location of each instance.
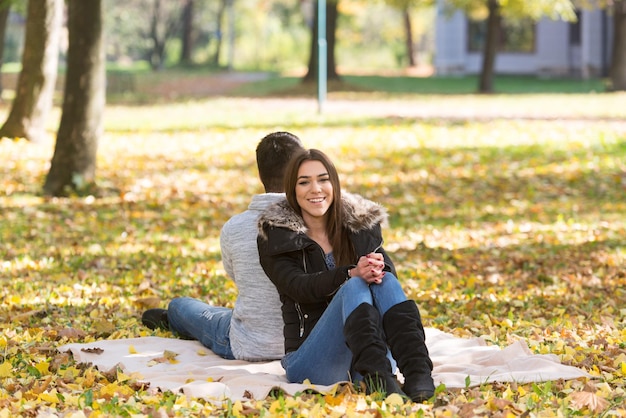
(243, 219)
(257, 205)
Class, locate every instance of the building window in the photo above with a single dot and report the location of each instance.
(515, 36)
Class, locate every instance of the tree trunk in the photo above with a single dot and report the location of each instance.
(408, 31)
(617, 72)
(4, 15)
(491, 47)
(187, 33)
(220, 32)
(158, 43)
(165, 22)
(37, 79)
(74, 161)
(331, 28)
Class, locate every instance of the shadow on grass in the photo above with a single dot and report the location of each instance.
(173, 87)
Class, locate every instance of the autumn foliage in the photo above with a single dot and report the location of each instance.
(511, 225)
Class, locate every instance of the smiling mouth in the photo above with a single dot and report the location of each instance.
(317, 200)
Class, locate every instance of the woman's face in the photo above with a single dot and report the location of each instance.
(314, 191)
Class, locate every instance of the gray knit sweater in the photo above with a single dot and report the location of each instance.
(256, 329)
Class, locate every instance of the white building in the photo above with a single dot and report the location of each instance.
(544, 48)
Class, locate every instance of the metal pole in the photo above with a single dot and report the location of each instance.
(321, 55)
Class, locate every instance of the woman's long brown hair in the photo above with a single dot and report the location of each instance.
(343, 250)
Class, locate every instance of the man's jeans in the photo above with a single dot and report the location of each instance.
(324, 358)
(195, 320)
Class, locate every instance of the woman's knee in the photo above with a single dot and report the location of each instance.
(355, 284)
(388, 293)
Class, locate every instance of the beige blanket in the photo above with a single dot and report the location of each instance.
(187, 366)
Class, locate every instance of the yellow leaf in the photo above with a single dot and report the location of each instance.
(237, 408)
(113, 389)
(103, 327)
(182, 401)
(275, 407)
(122, 377)
(508, 394)
(49, 397)
(333, 400)
(619, 361)
(43, 367)
(6, 369)
(316, 411)
(149, 302)
(394, 400)
(169, 354)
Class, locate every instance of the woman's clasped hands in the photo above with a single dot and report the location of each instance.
(370, 268)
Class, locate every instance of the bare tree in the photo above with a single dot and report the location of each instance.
(219, 17)
(332, 13)
(187, 32)
(408, 36)
(165, 22)
(617, 72)
(494, 19)
(405, 7)
(74, 161)
(37, 79)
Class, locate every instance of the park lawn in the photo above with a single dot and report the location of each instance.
(407, 84)
(506, 222)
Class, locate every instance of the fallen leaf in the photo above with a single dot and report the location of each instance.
(71, 333)
(148, 303)
(92, 350)
(589, 400)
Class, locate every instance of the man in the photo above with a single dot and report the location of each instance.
(253, 330)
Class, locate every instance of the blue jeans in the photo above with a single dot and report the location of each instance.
(324, 358)
(193, 319)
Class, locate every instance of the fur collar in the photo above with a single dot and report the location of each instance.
(359, 214)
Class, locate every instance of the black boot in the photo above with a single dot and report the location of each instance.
(405, 334)
(369, 351)
(155, 318)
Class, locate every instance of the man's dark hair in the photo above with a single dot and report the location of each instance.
(272, 156)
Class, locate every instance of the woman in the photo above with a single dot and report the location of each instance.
(341, 302)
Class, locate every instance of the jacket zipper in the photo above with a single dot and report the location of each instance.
(300, 318)
(298, 307)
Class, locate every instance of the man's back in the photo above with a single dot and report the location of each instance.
(256, 330)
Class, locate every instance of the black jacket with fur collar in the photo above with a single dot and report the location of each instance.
(296, 264)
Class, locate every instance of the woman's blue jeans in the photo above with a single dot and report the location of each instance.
(196, 320)
(324, 358)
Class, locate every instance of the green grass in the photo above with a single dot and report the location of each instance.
(427, 85)
(469, 84)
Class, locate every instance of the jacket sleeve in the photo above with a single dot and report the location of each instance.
(389, 266)
(287, 273)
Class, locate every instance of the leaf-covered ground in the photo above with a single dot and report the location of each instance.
(506, 223)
